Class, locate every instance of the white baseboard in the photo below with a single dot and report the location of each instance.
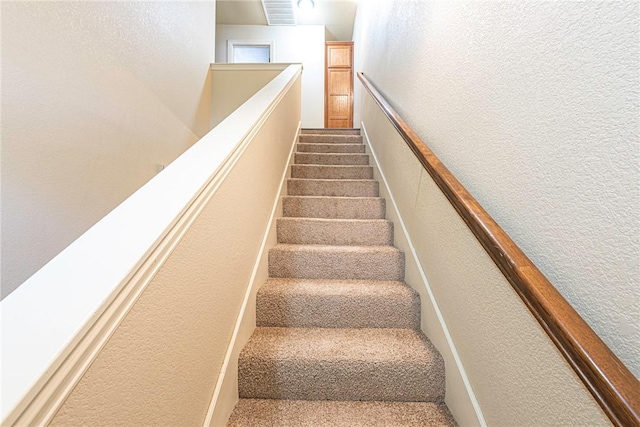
(460, 397)
(225, 396)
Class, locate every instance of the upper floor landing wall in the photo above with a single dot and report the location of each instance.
(292, 44)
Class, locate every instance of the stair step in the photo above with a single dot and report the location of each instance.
(305, 413)
(332, 187)
(340, 364)
(331, 138)
(330, 131)
(331, 159)
(331, 172)
(301, 303)
(336, 262)
(338, 340)
(333, 207)
(330, 148)
(322, 231)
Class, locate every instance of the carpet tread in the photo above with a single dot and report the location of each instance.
(338, 340)
(305, 413)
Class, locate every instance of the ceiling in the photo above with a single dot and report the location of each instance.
(336, 15)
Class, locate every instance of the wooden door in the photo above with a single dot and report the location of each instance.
(338, 85)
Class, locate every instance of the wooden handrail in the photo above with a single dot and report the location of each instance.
(612, 385)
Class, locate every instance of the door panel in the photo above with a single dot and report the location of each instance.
(339, 81)
(340, 57)
(339, 85)
(335, 124)
(339, 105)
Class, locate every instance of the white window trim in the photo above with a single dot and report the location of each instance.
(231, 43)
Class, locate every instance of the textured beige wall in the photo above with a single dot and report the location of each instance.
(228, 396)
(95, 97)
(293, 44)
(161, 365)
(535, 106)
(231, 88)
(517, 375)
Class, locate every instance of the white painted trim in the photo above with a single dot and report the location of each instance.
(231, 44)
(434, 303)
(55, 324)
(214, 411)
(223, 66)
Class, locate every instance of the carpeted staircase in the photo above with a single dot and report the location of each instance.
(338, 340)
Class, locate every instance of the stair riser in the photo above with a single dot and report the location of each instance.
(330, 148)
(327, 207)
(330, 132)
(340, 380)
(331, 139)
(331, 172)
(288, 413)
(296, 187)
(334, 232)
(338, 311)
(337, 265)
(331, 159)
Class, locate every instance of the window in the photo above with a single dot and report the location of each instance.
(250, 51)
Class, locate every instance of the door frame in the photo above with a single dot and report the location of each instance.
(326, 79)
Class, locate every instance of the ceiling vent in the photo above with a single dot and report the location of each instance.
(279, 12)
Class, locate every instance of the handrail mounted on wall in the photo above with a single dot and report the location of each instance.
(613, 386)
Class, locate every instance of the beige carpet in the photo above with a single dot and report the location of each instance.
(297, 413)
(338, 340)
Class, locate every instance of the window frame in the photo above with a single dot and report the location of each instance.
(232, 43)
